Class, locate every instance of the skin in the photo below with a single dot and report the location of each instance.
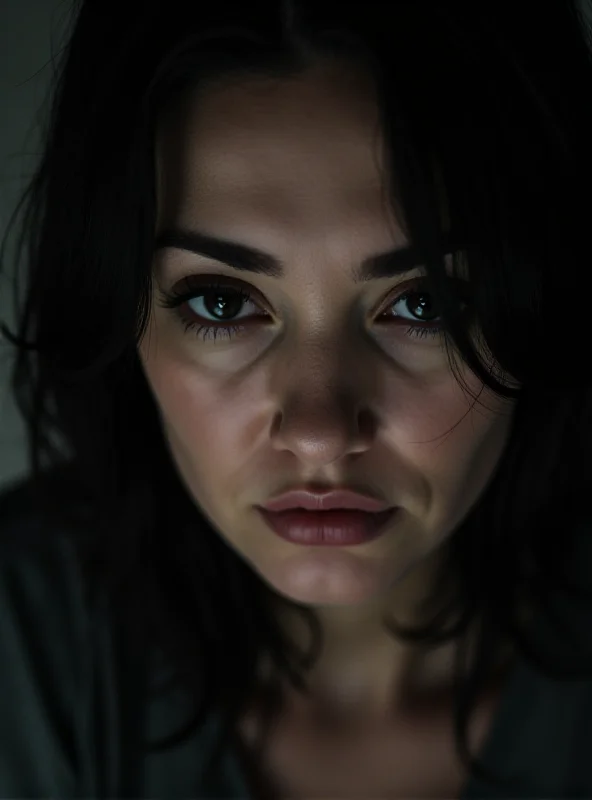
(319, 392)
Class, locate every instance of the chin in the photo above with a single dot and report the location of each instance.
(328, 577)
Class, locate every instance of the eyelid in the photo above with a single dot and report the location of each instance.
(194, 281)
(397, 292)
(190, 286)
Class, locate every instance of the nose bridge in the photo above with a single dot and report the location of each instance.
(323, 402)
(318, 368)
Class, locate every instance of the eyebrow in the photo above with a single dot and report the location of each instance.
(250, 259)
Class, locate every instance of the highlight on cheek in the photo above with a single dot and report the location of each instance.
(225, 309)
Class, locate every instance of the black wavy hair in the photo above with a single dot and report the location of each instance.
(486, 105)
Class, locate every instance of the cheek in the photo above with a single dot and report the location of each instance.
(206, 423)
(448, 445)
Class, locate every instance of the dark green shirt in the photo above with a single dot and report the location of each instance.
(71, 714)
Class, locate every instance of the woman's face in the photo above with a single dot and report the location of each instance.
(322, 381)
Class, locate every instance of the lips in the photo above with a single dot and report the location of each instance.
(339, 527)
(341, 516)
(326, 501)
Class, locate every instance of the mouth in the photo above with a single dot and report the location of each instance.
(336, 527)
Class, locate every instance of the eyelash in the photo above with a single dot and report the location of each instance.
(174, 299)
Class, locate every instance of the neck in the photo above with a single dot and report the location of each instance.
(364, 672)
(363, 669)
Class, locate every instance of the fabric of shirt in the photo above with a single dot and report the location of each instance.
(72, 713)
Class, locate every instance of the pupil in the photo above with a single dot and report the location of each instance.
(222, 305)
(423, 305)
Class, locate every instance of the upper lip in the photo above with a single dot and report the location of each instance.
(324, 500)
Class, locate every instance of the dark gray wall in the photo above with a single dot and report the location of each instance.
(30, 30)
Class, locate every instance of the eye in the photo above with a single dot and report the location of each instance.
(213, 307)
(416, 307)
(417, 311)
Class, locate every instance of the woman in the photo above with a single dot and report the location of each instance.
(305, 376)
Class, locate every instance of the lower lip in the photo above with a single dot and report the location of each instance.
(340, 528)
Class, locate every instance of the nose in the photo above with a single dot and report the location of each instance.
(320, 431)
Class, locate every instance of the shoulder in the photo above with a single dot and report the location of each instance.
(46, 658)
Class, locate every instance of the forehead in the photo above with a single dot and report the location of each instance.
(299, 144)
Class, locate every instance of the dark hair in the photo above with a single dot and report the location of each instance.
(488, 104)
